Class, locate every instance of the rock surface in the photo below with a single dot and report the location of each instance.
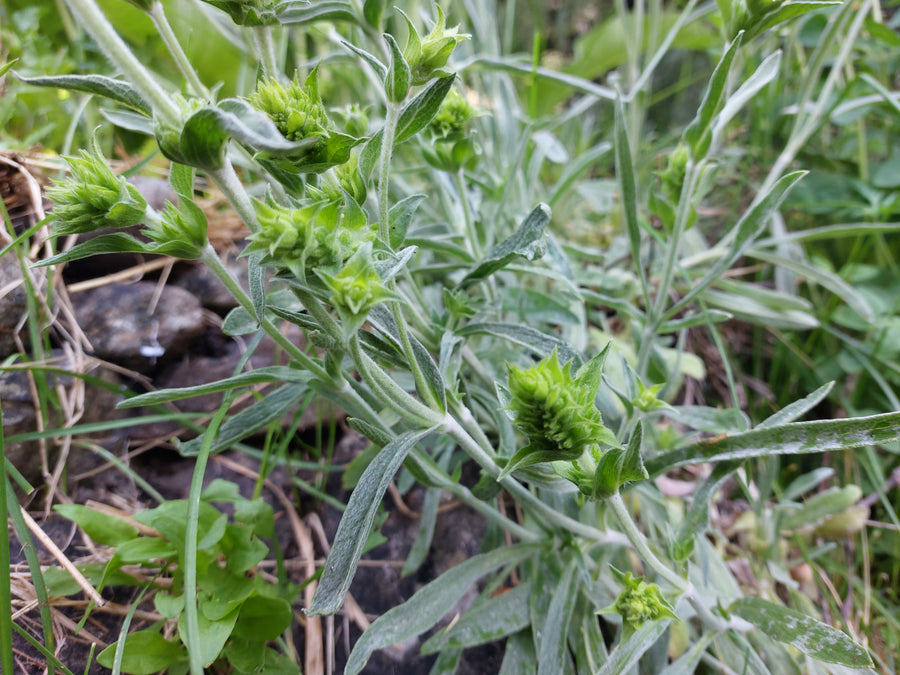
(117, 322)
(13, 300)
(19, 417)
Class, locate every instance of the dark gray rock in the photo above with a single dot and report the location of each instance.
(19, 417)
(116, 320)
(198, 280)
(13, 299)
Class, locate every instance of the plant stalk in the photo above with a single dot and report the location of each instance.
(121, 55)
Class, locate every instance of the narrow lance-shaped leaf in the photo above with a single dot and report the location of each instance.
(414, 117)
(746, 231)
(353, 530)
(108, 87)
(626, 655)
(628, 185)
(524, 242)
(490, 620)
(295, 12)
(764, 74)
(697, 518)
(811, 637)
(789, 439)
(698, 135)
(797, 409)
(553, 650)
(396, 82)
(252, 419)
(257, 376)
(430, 603)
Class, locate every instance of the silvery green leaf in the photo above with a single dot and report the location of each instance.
(108, 87)
(356, 522)
(431, 602)
(797, 438)
(813, 638)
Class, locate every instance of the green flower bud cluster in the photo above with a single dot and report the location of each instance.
(427, 57)
(296, 109)
(344, 178)
(453, 147)
(322, 232)
(184, 225)
(555, 411)
(639, 602)
(356, 289)
(93, 197)
(299, 115)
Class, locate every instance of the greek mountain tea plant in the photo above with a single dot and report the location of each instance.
(399, 191)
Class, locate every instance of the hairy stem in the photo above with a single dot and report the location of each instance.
(120, 54)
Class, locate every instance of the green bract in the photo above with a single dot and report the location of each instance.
(427, 57)
(93, 197)
(322, 232)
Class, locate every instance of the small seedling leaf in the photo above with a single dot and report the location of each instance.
(100, 527)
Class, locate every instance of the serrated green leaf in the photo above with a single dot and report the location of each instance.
(101, 527)
(802, 632)
(356, 522)
(116, 90)
(524, 242)
(790, 439)
(430, 603)
(632, 468)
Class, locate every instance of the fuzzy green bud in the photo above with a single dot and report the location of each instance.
(356, 289)
(299, 114)
(555, 411)
(296, 109)
(427, 57)
(321, 232)
(93, 197)
(185, 225)
(452, 147)
(639, 602)
(345, 178)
